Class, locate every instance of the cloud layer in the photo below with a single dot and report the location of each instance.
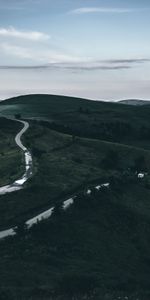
(29, 35)
(85, 65)
(39, 55)
(89, 10)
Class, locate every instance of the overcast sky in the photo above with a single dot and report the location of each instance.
(98, 49)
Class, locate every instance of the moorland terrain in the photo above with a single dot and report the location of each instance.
(99, 247)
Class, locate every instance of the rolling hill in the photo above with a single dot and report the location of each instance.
(135, 102)
(93, 119)
(98, 248)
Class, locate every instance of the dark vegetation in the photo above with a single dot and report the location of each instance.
(64, 165)
(79, 117)
(98, 248)
(11, 159)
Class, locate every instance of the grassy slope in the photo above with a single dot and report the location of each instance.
(100, 243)
(105, 241)
(62, 166)
(11, 159)
(50, 105)
(84, 117)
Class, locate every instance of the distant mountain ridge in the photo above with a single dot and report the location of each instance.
(36, 97)
(135, 102)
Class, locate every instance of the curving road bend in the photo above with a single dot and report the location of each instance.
(21, 132)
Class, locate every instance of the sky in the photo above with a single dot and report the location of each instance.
(95, 49)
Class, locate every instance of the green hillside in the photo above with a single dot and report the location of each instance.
(48, 105)
(11, 158)
(64, 164)
(94, 119)
(99, 248)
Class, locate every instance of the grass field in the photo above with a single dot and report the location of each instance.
(94, 119)
(99, 248)
(11, 158)
(62, 166)
(102, 241)
(53, 107)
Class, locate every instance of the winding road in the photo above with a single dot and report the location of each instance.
(18, 184)
(21, 132)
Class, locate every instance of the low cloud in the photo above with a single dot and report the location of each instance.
(38, 55)
(128, 61)
(13, 67)
(14, 50)
(88, 66)
(89, 10)
(65, 67)
(51, 59)
(29, 35)
(91, 65)
(83, 66)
